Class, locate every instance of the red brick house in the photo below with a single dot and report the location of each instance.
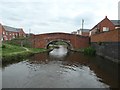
(105, 25)
(8, 33)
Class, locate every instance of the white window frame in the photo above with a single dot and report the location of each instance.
(6, 33)
(13, 36)
(105, 29)
(3, 32)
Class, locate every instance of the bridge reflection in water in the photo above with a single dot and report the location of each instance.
(61, 69)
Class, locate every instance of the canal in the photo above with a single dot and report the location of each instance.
(61, 69)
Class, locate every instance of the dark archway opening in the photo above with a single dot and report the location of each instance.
(56, 43)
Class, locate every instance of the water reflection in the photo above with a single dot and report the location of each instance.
(59, 69)
(59, 52)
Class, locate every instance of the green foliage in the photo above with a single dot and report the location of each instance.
(13, 53)
(99, 43)
(15, 57)
(37, 50)
(60, 43)
(3, 46)
(89, 51)
(23, 41)
(11, 49)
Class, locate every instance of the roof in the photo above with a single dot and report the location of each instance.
(116, 22)
(85, 30)
(11, 29)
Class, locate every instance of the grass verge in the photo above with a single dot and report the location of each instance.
(16, 53)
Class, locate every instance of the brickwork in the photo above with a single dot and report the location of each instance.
(0, 34)
(77, 41)
(110, 36)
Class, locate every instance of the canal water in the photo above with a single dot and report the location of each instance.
(60, 69)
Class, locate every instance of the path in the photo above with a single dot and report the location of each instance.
(26, 49)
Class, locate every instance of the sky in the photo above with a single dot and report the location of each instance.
(119, 10)
(47, 16)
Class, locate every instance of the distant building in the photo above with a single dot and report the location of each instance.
(74, 32)
(8, 33)
(105, 25)
(29, 34)
(83, 32)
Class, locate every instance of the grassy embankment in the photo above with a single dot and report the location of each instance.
(17, 53)
(87, 51)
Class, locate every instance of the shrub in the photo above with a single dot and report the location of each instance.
(89, 51)
(3, 46)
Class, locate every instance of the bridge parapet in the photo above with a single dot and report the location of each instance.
(76, 41)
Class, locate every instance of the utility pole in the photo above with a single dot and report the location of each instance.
(82, 24)
(29, 31)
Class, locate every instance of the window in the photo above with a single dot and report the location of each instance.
(13, 36)
(3, 32)
(105, 29)
(90, 33)
(6, 33)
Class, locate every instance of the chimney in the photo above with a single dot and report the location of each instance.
(105, 16)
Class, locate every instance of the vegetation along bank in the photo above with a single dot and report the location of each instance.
(17, 53)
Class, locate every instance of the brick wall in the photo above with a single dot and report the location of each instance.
(22, 33)
(0, 34)
(110, 36)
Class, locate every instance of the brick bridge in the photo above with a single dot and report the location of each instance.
(74, 41)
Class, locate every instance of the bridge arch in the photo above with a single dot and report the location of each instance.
(72, 40)
(69, 45)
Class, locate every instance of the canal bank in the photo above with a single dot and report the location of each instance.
(16, 53)
(108, 50)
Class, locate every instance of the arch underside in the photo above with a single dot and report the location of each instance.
(69, 45)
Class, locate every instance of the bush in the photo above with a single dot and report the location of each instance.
(11, 58)
(89, 51)
(3, 46)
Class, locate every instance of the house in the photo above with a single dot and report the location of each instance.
(105, 25)
(8, 33)
(83, 32)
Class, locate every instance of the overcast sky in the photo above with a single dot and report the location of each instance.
(45, 16)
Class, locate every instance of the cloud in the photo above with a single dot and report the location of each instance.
(42, 16)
